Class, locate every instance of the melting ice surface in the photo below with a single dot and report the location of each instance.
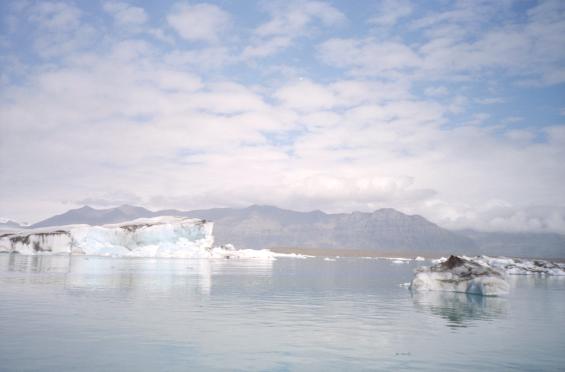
(94, 313)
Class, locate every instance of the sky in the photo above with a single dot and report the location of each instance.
(454, 110)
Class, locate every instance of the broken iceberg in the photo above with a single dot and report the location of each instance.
(458, 274)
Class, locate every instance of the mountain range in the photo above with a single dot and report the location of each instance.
(386, 230)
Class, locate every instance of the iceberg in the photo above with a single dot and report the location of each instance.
(458, 274)
(174, 237)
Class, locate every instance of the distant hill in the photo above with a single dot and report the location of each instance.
(93, 216)
(259, 227)
(386, 230)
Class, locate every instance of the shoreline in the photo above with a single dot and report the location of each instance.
(343, 252)
(331, 252)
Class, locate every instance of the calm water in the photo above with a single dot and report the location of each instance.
(109, 314)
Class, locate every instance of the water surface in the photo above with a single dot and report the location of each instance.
(94, 313)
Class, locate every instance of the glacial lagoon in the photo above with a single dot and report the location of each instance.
(155, 314)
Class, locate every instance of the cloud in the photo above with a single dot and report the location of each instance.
(436, 91)
(125, 14)
(199, 22)
(461, 43)
(306, 95)
(288, 22)
(490, 100)
(209, 58)
(266, 47)
(391, 12)
(55, 16)
(55, 29)
(368, 56)
(110, 200)
(387, 120)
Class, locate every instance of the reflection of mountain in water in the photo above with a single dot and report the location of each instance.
(460, 309)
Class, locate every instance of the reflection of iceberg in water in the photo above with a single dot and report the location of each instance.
(536, 281)
(131, 275)
(36, 264)
(460, 309)
(139, 275)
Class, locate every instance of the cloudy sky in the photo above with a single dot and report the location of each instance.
(454, 110)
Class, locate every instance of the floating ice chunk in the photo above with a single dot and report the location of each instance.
(400, 261)
(439, 260)
(329, 259)
(292, 255)
(458, 274)
(419, 258)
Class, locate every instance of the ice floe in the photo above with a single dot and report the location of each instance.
(458, 274)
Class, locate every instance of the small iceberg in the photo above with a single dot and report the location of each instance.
(457, 274)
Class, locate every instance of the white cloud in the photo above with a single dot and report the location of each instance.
(490, 100)
(152, 126)
(437, 91)
(459, 44)
(296, 18)
(55, 16)
(93, 124)
(391, 11)
(520, 135)
(125, 14)
(288, 22)
(199, 22)
(368, 56)
(306, 95)
(266, 47)
(56, 29)
(213, 57)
